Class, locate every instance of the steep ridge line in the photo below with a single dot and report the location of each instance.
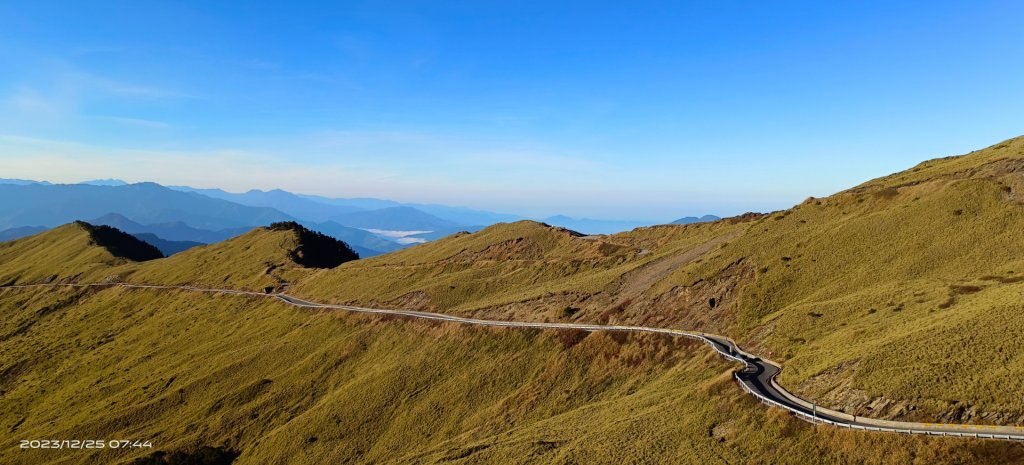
(757, 377)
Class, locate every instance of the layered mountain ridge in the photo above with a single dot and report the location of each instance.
(899, 298)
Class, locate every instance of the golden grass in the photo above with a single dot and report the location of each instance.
(289, 385)
(63, 253)
(902, 295)
(870, 279)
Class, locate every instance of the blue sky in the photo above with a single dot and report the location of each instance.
(639, 110)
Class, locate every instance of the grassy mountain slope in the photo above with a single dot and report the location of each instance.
(264, 258)
(66, 253)
(286, 385)
(173, 231)
(527, 263)
(366, 243)
(503, 263)
(899, 298)
(120, 243)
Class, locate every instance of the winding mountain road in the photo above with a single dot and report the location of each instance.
(757, 377)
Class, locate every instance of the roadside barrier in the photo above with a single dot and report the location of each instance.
(734, 353)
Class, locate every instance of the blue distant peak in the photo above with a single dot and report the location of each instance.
(104, 182)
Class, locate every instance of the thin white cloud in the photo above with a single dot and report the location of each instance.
(134, 122)
(66, 102)
(24, 100)
(534, 160)
(68, 162)
(88, 82)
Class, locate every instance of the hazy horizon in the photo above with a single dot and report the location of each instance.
(603, 111)
(527, 215)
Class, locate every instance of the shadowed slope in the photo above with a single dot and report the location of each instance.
(850, 292)
(499, 264)
(316, 250)
(121, 244)
(264, 258)
(73, 251)
(900, 298)
(166, 247)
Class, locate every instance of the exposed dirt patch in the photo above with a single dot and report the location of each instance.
(1002, 167)
(633, 284)
(417, 300)
(722, 432)
(708, 305)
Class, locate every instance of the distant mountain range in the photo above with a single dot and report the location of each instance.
(395, 219)
(23, 182)
(694, 219)
(318, 208)
(166, 247)
(176, 218)
(593, 226)
(284, 201)
(174, 231)
(11, 234)
(146, 203)
(104, 182)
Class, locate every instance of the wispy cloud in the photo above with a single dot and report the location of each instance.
(71, 98)
(60, 161)
(27, 101)
(326, 169)
(135, 122)
(87, 82)
(534, 160)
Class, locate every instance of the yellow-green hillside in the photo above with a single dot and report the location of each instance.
(512, 262)
(266, 257)
(281, 384)
(65, 253)
(255, 260)
(899, 298)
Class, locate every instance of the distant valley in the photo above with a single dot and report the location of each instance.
(897, 300)
(176, 218)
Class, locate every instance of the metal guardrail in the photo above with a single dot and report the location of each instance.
(819, 420)
(585, 327)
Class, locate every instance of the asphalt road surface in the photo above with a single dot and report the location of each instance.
(757, 376)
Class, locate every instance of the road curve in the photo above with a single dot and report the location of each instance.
(757, 376)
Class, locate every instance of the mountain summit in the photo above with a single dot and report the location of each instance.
(264, 258)
(316, 250)
(77, 250)
(896, 299)
(119, 243)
